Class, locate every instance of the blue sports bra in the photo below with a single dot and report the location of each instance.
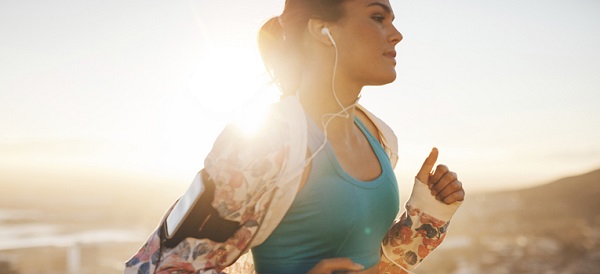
(333, 215)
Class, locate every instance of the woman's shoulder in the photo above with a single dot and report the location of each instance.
(242, 163)
(377, 126)
(278, 134)
(361, 113)
(381, 131)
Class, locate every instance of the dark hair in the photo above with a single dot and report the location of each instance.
(280, 40)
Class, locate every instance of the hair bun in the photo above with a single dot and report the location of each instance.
(271, 43)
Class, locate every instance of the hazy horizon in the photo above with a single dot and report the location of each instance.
(508, 91)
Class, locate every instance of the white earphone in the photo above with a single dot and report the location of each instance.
(325, 31)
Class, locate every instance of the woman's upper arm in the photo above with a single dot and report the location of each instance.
(242, 165)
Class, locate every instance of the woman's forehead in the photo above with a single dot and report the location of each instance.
(362, 4)
(357, 5)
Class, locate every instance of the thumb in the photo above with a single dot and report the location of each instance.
(423, 174)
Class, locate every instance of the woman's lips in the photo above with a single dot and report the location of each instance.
(391, 55)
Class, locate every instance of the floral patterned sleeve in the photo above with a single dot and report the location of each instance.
(419, 230)
(242, 167)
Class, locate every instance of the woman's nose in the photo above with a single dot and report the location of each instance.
(395, 36)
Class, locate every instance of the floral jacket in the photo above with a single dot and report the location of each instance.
(256, 178)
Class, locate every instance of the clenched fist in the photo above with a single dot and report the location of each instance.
(442, 182)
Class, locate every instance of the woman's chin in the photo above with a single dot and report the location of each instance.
(384, 79)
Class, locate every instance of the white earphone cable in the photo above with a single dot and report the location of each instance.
(343, 110)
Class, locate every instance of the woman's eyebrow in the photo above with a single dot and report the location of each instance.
(384, 6)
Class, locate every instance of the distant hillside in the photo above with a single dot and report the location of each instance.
(547, 208)
(573, 197)
(551, 228)
(578, 195)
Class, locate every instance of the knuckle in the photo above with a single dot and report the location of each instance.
(442, 167)
(449, 177)
(456, 186)
(453, 175)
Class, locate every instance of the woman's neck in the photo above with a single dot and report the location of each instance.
(318, 99)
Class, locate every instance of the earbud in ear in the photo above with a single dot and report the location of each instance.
(325, 31)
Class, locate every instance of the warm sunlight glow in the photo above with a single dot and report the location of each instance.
(228, 84)
(252, 117)
(232, 81)
(228, 78)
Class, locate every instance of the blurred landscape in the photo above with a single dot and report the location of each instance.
(552, 228)
(86, 223)
(54, 223)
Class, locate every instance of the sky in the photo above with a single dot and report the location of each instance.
(509, 91)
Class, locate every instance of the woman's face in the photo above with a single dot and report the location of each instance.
(366, 38)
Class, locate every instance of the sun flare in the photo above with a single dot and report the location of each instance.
(228, 79)
(231, 86)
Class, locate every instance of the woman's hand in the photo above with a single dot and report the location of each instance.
(443, 183)
(328, 266)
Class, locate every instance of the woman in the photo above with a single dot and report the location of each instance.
(314, 190)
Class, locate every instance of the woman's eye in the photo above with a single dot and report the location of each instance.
(378, 18)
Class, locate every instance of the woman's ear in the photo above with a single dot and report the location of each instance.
(315, 30)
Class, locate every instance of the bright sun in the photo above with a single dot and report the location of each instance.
(230, 84)
(229, 79)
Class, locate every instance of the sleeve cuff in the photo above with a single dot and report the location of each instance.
(422, 199)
